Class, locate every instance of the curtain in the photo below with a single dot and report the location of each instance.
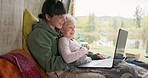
(71, 7)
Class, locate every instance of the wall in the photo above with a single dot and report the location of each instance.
(11, 22)
(34, 6)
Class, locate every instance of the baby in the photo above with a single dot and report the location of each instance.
(70, 49)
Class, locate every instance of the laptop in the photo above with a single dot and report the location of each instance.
(108, 63)
(147, 49)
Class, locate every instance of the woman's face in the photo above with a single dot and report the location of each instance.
(57, 21)
(68, 30)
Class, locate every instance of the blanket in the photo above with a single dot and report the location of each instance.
(122, 70)
(26, 67)
(11, 70)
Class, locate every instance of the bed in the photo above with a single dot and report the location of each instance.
(123, 70)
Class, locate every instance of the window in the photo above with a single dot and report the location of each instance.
(99, 21)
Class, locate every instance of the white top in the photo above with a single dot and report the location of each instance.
(71, 50)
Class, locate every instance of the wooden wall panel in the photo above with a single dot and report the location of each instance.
(11, 15)
(34, 6)
(11, 22)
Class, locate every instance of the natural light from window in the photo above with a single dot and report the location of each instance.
(99, 21)
(124, 8)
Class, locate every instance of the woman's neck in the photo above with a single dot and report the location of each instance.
(51, 26)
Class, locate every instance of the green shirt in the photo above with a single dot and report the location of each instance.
(43, 45)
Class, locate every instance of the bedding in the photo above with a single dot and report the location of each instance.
(29, 20)
(26, 67)
(12, 70)
(122, 70)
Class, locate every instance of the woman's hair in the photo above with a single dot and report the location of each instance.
(52, 7)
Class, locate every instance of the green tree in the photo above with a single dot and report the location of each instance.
(92, 22)
(138, 16)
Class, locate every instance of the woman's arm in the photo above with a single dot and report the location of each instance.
(40, 46)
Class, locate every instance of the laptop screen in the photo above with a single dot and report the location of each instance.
(121, 41)
(147, 46)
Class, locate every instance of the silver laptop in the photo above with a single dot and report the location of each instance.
(108, 63)
(147, 48)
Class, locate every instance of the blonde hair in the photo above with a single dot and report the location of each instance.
(70, 20)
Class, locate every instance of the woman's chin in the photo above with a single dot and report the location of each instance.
(59, 27)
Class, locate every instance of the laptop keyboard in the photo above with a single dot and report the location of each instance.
(104, 63)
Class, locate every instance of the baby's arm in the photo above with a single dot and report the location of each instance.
(67, 54)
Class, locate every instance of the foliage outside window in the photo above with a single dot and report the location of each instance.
(101, 31)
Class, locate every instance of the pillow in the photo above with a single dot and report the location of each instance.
(28, 21)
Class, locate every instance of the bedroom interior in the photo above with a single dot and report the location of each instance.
(16, 20)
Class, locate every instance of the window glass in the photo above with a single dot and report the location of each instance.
(99, 21)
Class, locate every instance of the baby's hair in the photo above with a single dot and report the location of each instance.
(70, 19)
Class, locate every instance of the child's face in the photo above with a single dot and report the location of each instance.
(69, 30)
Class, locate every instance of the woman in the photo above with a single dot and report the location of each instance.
(43, 40)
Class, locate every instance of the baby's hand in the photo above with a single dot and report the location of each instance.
(87, 46)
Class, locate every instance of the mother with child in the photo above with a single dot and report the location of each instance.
(54, 48)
